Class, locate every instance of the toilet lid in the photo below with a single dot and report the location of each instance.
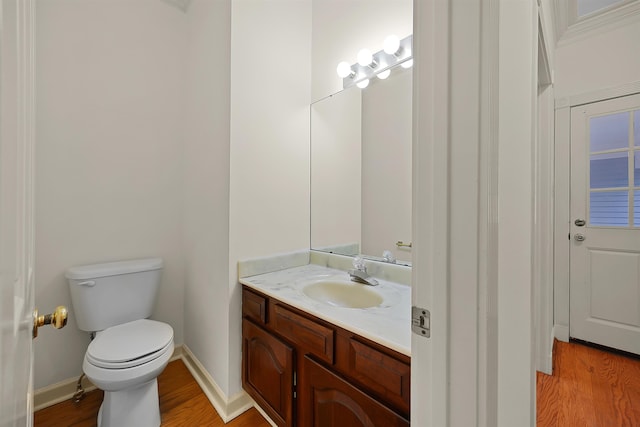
(130, 344)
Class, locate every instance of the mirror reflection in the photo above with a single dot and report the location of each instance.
(361, 170)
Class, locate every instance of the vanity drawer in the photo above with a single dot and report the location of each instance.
(310, 336)
(254, 306)
(383, 374)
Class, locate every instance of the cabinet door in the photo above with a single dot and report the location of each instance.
(330, 401)
(267, 373)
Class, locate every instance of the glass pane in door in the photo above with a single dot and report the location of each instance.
(609, 208)
(636, 168)
(636, 128)
(609, 132)
(609, 170)
(585, 7)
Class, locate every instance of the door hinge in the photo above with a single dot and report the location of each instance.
(295, 385)
(421, 321)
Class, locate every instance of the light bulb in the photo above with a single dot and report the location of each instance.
(383, 75)
(362, 84)
(344, 69)
(391, 44)
(407, 64)
(365, 57)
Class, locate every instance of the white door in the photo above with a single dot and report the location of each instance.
(605, 223)
(16, 218)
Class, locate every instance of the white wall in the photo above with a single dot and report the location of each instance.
(341, 28)
(270, 96)
(601, 61)
(206, 185)
(108, 155)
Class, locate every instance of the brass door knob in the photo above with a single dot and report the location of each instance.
(57, 319)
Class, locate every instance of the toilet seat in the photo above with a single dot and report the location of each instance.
(130, 344)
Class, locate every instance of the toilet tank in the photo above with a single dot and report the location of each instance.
(109, 294)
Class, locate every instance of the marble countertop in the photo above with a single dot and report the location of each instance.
(388, 324)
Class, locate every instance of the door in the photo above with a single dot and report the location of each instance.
(16, 218)
(16, 250)
(331, 401)
(605, 223)
(267, 373)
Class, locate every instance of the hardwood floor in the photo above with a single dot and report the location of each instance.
(589, 388)
(182, 403)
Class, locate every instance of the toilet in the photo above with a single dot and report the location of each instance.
(113, 301)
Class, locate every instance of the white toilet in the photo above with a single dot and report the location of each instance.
(129, 351)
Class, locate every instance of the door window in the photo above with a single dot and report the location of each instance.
(614, 170)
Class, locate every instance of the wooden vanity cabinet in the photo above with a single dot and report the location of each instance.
(330, 400)
(267, 372)
(304, 371)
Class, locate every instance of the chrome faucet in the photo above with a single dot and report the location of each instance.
(359, 273)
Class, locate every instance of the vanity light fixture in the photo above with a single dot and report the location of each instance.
(392, 45)
(383, 75)
(396, 52)
(407, 64)
(344, 70)
(365, 58)
(363, 83)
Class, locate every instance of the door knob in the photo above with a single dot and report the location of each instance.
(57, 319)
(579, 237)
(580, 222)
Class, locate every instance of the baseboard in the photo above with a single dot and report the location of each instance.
(561, 332)
(64, 390)
(227, 408)
(58, 392)
(547, 359)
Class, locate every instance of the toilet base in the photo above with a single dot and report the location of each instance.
(132, 407)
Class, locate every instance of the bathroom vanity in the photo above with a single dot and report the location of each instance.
(308, 363)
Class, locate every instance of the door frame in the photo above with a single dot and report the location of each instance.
(475, 86)
(562, 222)
(21, 33)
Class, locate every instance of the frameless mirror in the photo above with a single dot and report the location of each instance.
(361, 170)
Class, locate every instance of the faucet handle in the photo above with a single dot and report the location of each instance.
(358, 263)
(387, 256)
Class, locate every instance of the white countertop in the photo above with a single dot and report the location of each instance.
(388, 324)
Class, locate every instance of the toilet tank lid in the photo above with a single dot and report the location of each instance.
(93, 271)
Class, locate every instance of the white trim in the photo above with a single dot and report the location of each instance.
(65, 389)
(430, 222)
(227, 408)
(561, 221)
(543, 239)
(615, 17)
(561, 17)
(599, 95)
(561, 333)
(518, 41)
(488, 220)
(58, 392)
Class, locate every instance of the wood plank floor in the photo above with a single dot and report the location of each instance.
(182, 403)
(589, 388)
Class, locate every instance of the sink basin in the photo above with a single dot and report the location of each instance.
(343, 294)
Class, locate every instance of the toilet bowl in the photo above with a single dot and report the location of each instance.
(125, 361)
(128, 350)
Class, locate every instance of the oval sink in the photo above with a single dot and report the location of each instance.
(343, 294)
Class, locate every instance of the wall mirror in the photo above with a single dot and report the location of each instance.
(361, 169)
